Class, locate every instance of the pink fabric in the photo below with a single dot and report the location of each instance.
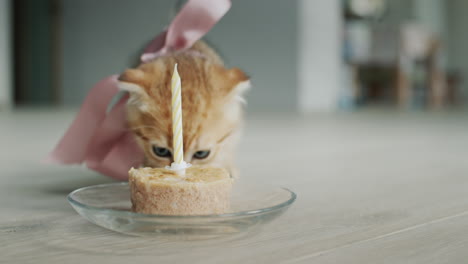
(74, 145)
(194, 20)
(101, 139)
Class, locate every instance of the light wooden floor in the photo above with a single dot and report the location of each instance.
(373, 187)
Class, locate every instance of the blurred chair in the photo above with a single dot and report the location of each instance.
(400, 64)
(420, 77)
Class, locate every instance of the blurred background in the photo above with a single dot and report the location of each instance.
(357, 105)
(303, 56)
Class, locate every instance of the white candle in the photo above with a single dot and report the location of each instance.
(179, 165)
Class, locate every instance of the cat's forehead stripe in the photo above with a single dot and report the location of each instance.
(140, 134)
(192, 136)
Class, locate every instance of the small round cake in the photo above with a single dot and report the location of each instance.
(201, 191)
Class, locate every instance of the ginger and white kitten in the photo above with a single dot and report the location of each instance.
(212, 106)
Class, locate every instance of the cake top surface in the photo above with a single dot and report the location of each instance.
(194, 174)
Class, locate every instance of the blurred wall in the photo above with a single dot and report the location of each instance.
(433, 14)
(457, 21)
(103, 37)
(398, 11)
(260, 36)
(5, 54)
(320, 62)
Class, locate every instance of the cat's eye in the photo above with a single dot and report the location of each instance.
(161, 152)
(202, 154)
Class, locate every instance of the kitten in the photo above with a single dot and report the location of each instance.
(211, 104)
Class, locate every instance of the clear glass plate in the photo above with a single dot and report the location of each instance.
(108, 205)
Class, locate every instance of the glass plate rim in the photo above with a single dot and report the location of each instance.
(140, 215)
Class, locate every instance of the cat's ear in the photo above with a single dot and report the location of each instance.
(134, 82)
(240, 83)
